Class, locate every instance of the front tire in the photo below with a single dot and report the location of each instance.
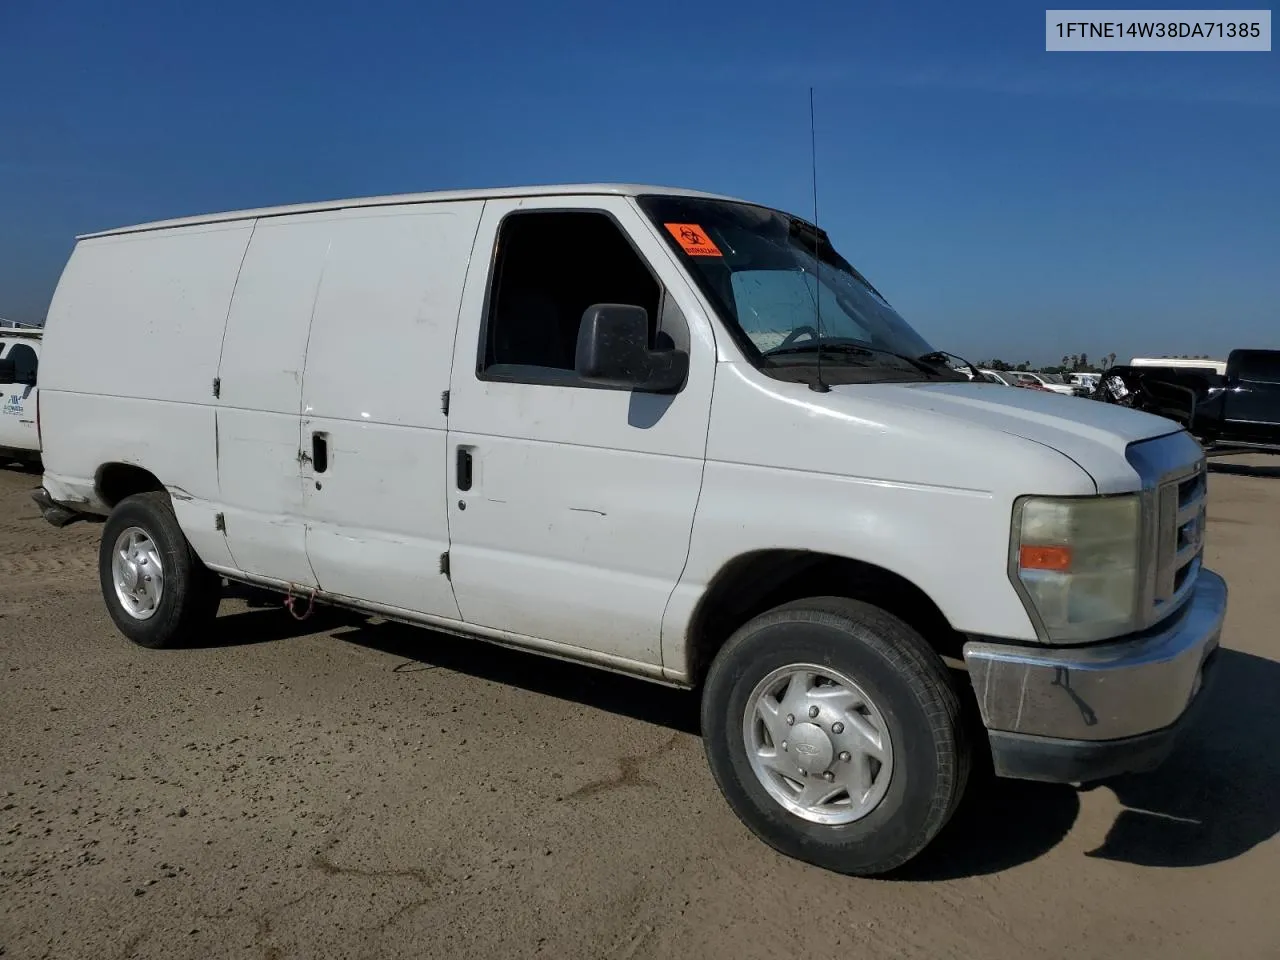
(156, 589)
(835, 734)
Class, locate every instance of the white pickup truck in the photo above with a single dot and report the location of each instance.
(19, 395)
(609, 424)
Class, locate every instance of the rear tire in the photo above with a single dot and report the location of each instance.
(874, 708)
(156, 589)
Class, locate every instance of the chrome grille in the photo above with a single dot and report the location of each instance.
(1179, 537)
(1174, 479)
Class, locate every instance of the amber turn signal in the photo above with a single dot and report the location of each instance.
(1044, 558)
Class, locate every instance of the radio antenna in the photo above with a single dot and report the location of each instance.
(818, 385)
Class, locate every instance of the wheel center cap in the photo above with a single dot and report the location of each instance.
(811, 747)
(132, 578)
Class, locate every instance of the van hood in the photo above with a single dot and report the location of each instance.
(1095, 435)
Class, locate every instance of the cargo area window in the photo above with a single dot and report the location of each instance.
(550, 266)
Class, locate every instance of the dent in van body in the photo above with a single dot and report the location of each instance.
(377, 532)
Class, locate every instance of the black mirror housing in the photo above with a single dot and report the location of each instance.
(613, 351)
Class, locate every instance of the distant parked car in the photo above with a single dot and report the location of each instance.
(1028, 383)
(1048, 381)
(1088, 381)
(997, 377)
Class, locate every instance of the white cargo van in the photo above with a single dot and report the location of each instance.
(591, 421)
(19, 394)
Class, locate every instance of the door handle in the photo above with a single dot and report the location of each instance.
(464, 468)
(319, 452)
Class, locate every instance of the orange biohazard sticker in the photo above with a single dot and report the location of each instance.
(693, 240)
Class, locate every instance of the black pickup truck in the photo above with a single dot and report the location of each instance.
(1239, 409)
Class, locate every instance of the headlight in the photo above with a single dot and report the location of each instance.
(1077, 563)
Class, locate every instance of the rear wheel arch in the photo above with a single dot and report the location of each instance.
(114, 481)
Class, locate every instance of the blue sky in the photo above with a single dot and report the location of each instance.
(1008, 201)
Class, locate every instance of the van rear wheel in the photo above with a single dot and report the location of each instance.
(835, 734)
(156, 589)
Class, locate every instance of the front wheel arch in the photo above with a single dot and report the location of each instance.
(762, 580)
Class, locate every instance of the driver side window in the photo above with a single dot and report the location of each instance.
(550, 266)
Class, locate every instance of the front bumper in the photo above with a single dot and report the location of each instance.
(1078, 714)
(53, 512)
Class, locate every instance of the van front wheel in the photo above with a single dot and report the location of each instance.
(835, 734)
(156, 589)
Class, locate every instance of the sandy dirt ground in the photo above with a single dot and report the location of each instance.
(353, 789)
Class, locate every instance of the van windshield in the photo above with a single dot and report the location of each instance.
(786, 295)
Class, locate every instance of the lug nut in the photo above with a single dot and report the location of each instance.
(791, 718)
(803, 771)
(844, 756)
(784, 744)
(837, 728)
(813, 712)
(828, 776)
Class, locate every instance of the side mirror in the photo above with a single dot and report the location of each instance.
(8, 372)
(613, 350)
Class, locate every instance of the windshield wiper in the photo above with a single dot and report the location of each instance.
(940, 356)
(925, 364)
(829, 346)
(851, 348)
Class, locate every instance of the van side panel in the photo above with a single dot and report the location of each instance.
(259, 410)
(130, 353)
(377, 365)
(142, 315)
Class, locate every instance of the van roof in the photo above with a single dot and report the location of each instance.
(548, 190)
(21, 333)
